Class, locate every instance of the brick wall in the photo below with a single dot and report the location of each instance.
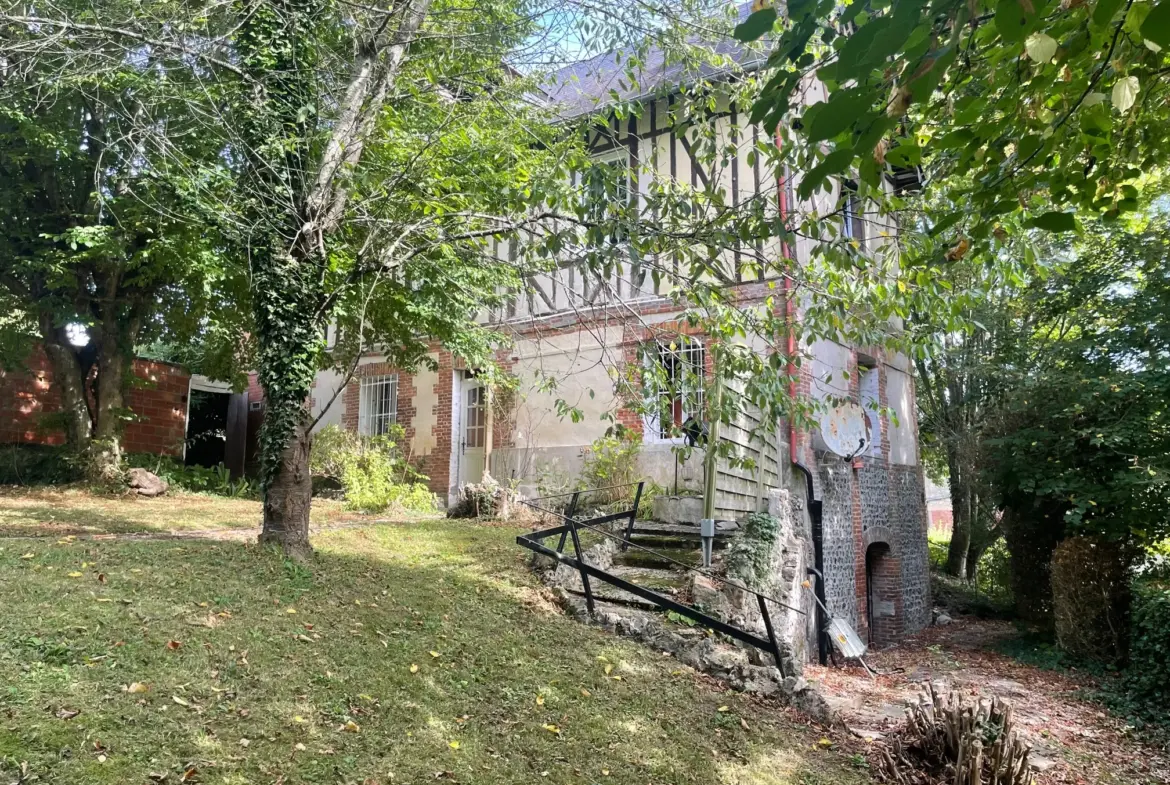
(158, 399)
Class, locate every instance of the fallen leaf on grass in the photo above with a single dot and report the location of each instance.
(413, 668)
(586, 693)
(453, 745)
(29, 556)
(552, 728)
(608, 669)
(350, 727)
(434, 654)
(138, 688)
(723, 708)
(539, 700)
(180, 701)
(244, 742)
(75, 574)
(172, 645)
(825, 743)
(67, 714)
(101, 576)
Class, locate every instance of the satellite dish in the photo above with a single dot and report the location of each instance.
(845, 430)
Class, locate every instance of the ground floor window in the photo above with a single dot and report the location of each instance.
(674, 385)
(377, 404)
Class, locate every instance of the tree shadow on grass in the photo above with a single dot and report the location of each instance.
(421, 651)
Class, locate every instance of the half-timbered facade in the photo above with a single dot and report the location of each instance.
(582, 331)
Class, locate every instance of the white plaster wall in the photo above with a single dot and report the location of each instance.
(903, 449)
(582, 364)
(328, 381)
(829, 362)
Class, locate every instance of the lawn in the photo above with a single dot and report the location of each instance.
(404, 653)
(51, 511)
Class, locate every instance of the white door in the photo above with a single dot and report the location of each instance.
(474, 432)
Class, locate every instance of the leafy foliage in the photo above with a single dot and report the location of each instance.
(196, 479)
(30, 465)
(1147, 678)
(749, 556)
(611, 461)
(373, 471)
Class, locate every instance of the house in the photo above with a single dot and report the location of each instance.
(583, 332)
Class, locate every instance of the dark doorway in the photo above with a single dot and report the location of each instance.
(882, 579)
(207, 428)
(216, 430)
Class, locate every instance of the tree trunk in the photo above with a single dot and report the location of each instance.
(288, 496)
(67, 378)
(1032, 535)
(960, 517)
(974, 553)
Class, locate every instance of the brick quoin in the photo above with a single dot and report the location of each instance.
(157, 398)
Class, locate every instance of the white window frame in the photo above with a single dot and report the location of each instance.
(689, 353)
(377, 404)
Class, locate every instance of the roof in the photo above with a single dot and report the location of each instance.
(583, 88)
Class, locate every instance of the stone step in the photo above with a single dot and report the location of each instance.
(635, 557)
(675, 529)
(674, 542)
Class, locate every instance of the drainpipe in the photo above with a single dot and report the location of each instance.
(815, 511)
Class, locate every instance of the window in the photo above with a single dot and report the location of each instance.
(870, 394)
(475, 427)
(606, 188)
(377, 404)
(675, 384)
(852, 213)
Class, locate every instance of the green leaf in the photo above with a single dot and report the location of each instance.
(1104, 11)
(835, 162)
(1156, 28)
(756, 26)
(1010, 20)
(842, 109)
(906, 154)
(1055, 221)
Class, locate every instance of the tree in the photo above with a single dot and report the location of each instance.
(1083, 444)
(1020, 114)
(102, 247)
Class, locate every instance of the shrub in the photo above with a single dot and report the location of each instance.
(373, 472)
(1147, 679)
(195, 479)
(36, 464)
(612, 460)
(1090, 598)
(749, 557)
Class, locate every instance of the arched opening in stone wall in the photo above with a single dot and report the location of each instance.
(882, 581)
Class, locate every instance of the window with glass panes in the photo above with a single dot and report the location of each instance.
(676, 373)
(377, 404)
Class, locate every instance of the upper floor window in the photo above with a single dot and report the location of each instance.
(377, 404)
(852, 213)
(675, 371)
(606, 189)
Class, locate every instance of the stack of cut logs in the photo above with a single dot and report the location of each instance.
(951, 741)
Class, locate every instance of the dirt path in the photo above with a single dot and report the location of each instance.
(1074, 740)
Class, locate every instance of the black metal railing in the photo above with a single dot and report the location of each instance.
(570, 529)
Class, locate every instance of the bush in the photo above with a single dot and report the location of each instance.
(1090, 598)
(612, 460)
(194, 479)
(36, 464)
(373, 472)
(1147, 679)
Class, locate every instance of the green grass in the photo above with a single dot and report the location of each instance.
(432, 639)
(51, 511)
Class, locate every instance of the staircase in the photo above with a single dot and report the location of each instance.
(652, 560)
